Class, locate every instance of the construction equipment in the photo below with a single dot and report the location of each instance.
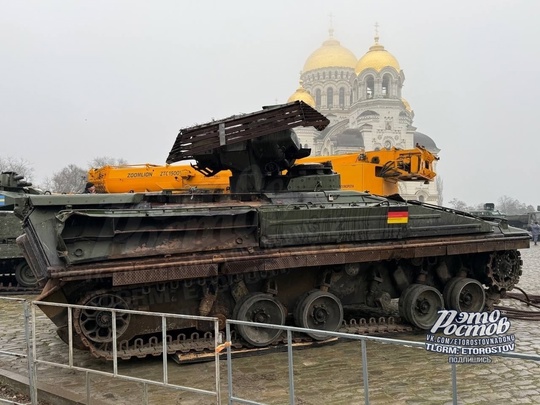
(375, 172)
(378, 172)
(286, 245)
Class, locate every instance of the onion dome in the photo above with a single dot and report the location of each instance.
(302, 94)
(426, 142)
(376, 58)
(330, 54)
(406, 105)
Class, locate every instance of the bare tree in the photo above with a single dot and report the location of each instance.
(71, 179)
(17, 165)
(107, 161)
(439, 184)
(511, 206)
(459, 205)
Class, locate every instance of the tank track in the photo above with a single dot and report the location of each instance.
(201, 347)
(9, 288)
(189, 345)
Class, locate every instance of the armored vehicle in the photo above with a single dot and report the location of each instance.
(15, 274)
(285, 246)
(524, 221)
(489, 213)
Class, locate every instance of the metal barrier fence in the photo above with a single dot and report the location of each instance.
(29, 352)
(34, 361)
(25, 353)
(363, 341)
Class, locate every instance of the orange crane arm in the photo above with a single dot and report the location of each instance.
(377, 172)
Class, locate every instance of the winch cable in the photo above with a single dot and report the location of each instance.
(514, 313)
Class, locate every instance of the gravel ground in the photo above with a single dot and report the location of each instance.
(327, 374)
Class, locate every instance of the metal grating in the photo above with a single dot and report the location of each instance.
(207, 137)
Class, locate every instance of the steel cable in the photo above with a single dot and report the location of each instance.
(514, 313)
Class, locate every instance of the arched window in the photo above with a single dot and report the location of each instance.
(329, 97)
(421, 198)
(386, 83)
(370, 86)
(318, 98)
(342, 97)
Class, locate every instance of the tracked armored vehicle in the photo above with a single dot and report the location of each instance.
(15, 274)
(285, 246)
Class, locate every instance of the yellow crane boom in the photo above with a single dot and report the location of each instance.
(377, 172)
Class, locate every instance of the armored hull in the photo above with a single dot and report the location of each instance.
(306, 259)
(281, 248)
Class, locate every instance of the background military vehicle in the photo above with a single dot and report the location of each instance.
(285, 246)
(489, 213)
(15, 274)
(524, 220)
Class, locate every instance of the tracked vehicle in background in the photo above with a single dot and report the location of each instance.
(15, 274)
(285, 246)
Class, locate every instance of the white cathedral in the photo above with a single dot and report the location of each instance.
(362, 99)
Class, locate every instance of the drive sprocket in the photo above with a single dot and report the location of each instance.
(504, 269)
(94, 325)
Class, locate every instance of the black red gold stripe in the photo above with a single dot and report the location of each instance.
(398, 215)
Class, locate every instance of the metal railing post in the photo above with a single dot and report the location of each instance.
(145, 393)
(216, 359)
(114, 344)
(70, 335)
(454, 384)
(164, 348)
(32, 377)
(87, 382)
(229, 363)
(291, 369)
(365, 372)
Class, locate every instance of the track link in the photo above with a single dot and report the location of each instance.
(201, 347)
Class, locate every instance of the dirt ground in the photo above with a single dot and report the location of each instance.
(8, 394)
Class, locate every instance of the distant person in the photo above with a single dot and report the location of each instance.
(91, 189)
(535, 230)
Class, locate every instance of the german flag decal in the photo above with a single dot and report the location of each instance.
(398, 215)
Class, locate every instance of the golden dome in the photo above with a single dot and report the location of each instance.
(330, 54)
(376, 58)
(302, 94)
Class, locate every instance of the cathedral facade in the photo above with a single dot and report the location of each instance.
(363, 101)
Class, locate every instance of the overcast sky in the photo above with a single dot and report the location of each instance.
(85, 79)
